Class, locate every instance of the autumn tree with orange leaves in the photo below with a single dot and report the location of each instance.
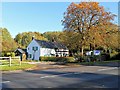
(89, 20)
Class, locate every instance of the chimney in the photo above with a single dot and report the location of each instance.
(33, 37)
(53, 39)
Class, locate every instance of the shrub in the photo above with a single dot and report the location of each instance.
(80, 58)
(8, 54)
(12, 54)
(96, 58)
(2, 54)
(115, 55)
(57, 59)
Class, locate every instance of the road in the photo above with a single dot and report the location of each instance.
(74, 77)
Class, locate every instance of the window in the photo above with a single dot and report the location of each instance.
(30, 55)
(35, 48)
(32, 48)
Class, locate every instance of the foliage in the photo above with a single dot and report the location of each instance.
(8, 43)
(23, 39)
(70, 39)
(7, 54)
(98, 63)
(115, 55)
(66, 37)
(12, 54)
(2, 54)
(53, 36)
(57, 59)
(105, 36)
(88, 21)
(79, 58)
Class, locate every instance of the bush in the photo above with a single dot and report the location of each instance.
(12, 54)
(2, 54)
(105, 56)
(115, 55)
(96, 58)
(57, 59)
(8, 54)
(79, 58)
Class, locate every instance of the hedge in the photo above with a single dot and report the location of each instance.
(57, 59)
(7, 54)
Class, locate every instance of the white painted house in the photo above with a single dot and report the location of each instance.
(39, 48)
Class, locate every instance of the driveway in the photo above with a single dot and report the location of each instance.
(69, 77)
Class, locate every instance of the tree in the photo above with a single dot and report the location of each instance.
(23, 39)
(53, 36)
(7, 42)
(84, 18)
(105, 36)
(111, 39)
(18, 38)
(70, 39)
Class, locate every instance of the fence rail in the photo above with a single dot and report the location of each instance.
(10, 59)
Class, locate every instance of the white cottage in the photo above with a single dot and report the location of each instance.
(39, 48)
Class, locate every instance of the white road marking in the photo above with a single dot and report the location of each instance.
(5, 81)
(51, 76)
(107, 69)
(82, 71)
(76, 73)
(49, 87)
(58, 75)
(48, 76)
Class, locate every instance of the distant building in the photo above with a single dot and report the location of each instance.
(21, 52)
(95, 52)
(39, 48)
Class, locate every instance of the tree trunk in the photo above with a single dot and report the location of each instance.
(90, 46)
(82, 50)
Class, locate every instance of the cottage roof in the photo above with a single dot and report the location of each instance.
(20, 50)
(48, 44)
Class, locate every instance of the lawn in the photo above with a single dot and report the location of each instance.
(15, 65)
(96, 62)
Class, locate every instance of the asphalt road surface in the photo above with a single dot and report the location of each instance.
(74, 77)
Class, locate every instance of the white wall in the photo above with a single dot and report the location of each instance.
(36, 54)
(67, 52)
(46, 51)
(42, 51)
(62, 52)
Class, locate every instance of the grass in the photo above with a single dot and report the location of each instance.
(96, 62)
(112, 61)
(17, 67)
(14, 65)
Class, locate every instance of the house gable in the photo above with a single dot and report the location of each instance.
(32, 43)
(33, 50)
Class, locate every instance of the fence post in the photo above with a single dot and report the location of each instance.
(20, 61)
(10, 61)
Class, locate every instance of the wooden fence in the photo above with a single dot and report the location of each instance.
(10, 59)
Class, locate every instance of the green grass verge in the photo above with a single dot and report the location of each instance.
(97, 62)
(105, 62)
(14, 65)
